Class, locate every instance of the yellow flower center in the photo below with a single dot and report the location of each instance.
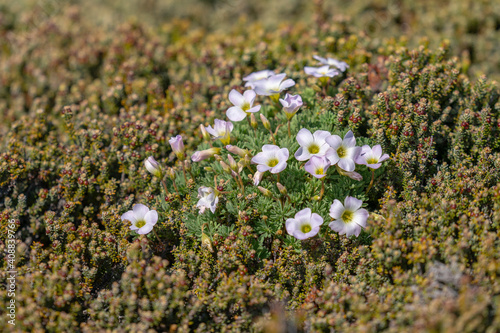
(245, 106)
(140, 224)
(319, 171)
(341, 152)
(372, 160)
(272, 162)
(313, 149)
(305, 228)
(347, 216)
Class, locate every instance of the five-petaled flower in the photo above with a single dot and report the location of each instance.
(371, 157)
(273, 85)
(177, 146)
(291, 104)
(272, 158)
(349, 217)
(323, 71)
(221, 130)
(317, 166)
(153, 167)
(243, 105)
(305, 224)
(341, 65)
(344, 151)
(208, 199)
(257, 76)
(311, 144)
(143, 220)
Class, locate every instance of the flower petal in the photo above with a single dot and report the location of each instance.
(130, 216)
(336, 209)
(302, 154)
(320, 136)
(349, 140)
(145, 230)
(352, 229)
(383, 158)
(278, 167)
(287, 84)
(352, 204)
(299, 235)
(316, 220)
(151, 217)
(140, 211)
(291, 226)
(235, 113)
(304, 215)
(334, 141)
(249, 96)
(377, 151)
(360, 217)
(337, 226)
(305, 138)
(236, 98)
(346, 164)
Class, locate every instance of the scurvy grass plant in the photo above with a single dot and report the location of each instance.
(83, 108)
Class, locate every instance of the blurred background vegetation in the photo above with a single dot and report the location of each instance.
(471, 26)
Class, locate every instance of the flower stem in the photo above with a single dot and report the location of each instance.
(289, 132)
(322, 188)
(184, 171)
(278, 177)
(371, 182)
(164, 186)
(157, 237)
(176, 189)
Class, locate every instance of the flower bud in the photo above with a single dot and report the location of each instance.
(204, 133)
(237, 151)
(204, 154)
(291, 104)
(253, 121)
(265, 122)
(177, 146)
(232, 162)
(264, 191)
(171, 173)
(281, 188)
(225, 167)
(257, 177)
(153, 167)
(351, 174)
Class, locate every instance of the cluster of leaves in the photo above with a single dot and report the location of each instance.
(68, 173)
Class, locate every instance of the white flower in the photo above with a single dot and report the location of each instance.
(257, 76)
(243, 105)
(311, 144)
(323, 71)
(291, 104)
(143, 220)
(177, 146)
(272, 158)
(371, 157)
(153, 166)
(349, 218)
(341, 65)
(344, 152)
(317, 166)
(304, 225)
(221, 130)
(273, 85)
(208, 199)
